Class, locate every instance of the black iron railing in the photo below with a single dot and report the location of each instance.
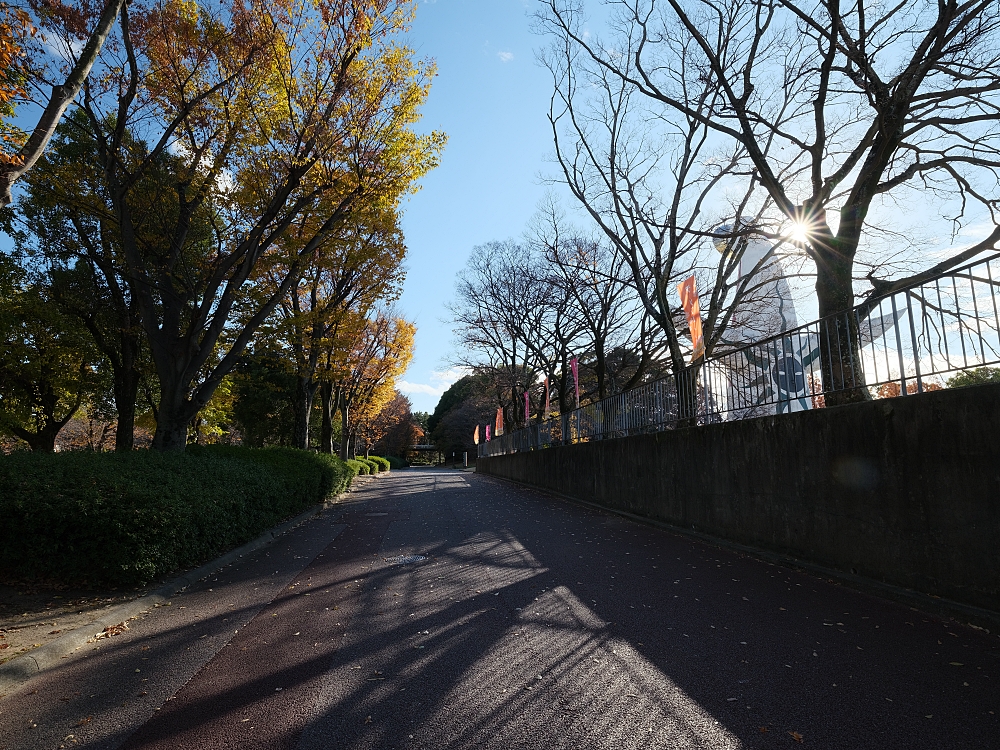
(903, 343)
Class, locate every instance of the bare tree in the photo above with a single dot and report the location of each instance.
(610, 321)
(839, 109)
(658, 183)
(511, 320)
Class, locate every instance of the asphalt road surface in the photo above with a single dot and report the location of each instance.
(532, 623)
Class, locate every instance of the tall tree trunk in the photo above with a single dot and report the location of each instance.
(686, 379)
(344, 432)
(305, 392)
(125, 397)
(126, 391)
(840, 349)
(173, 415)
(326, 435)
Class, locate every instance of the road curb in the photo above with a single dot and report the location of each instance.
(22, 668)
(976, 617)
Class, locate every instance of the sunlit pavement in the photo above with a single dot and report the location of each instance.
(532, 623)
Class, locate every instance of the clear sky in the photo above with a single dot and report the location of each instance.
(491, 98)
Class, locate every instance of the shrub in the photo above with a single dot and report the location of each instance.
(373, 467)
(383, 464)
(109, 519)
(395, 462)
(359, 467)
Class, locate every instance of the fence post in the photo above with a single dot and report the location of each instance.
(913, 341)
(899, 347)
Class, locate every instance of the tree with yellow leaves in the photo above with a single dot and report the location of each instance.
(363, 377)
(283, 118)
(359, 270)
(84, 31)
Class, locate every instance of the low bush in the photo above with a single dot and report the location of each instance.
(395, 462)
(110, 519)
(359, 467)
(383, 464)
(373, 467)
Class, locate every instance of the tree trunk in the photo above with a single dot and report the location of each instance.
(171, 432)
(305, 392)
(126, 393)
(344, 432)
(326, 436)
(173, 415)
(686, 379)
(840, 349)
(43, 441)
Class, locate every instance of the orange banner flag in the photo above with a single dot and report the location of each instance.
(498, 430)
(689, 300)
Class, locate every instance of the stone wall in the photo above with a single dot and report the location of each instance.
(905, 491)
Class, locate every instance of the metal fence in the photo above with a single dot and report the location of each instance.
(908, 342)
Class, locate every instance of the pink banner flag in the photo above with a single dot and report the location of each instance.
(547, 403)
(487, 433)
(475, 436)
(575, 366)
(527, 408)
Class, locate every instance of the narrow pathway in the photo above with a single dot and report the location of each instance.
(529, 623)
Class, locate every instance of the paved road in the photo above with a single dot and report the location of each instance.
(533, 623)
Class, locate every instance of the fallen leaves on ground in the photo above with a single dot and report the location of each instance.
(84, 722)
(796, 736)
(112, 630)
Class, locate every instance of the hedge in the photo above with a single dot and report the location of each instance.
(358, 467)
(383, 463)
(123, 519)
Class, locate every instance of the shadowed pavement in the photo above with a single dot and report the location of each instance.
(532, 623)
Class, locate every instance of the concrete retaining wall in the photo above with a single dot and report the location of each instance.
(905, 491)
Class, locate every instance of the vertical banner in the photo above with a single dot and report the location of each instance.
(575, 366)
(689, 300)
(487, 433)
(498, 431)
(527, 409)
(475, 436)
(547, 403)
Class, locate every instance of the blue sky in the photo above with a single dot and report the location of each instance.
(491, 98)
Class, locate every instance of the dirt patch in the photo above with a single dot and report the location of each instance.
(32, 613)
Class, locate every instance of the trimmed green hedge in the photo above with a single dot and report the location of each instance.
(383, 463)
(109, 519)
(359, 467)
(396, 462)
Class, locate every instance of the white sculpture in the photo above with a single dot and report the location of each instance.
(770, 378)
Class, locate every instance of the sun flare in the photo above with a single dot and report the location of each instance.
(798, 233)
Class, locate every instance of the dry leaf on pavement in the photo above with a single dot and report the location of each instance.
(112, 630)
